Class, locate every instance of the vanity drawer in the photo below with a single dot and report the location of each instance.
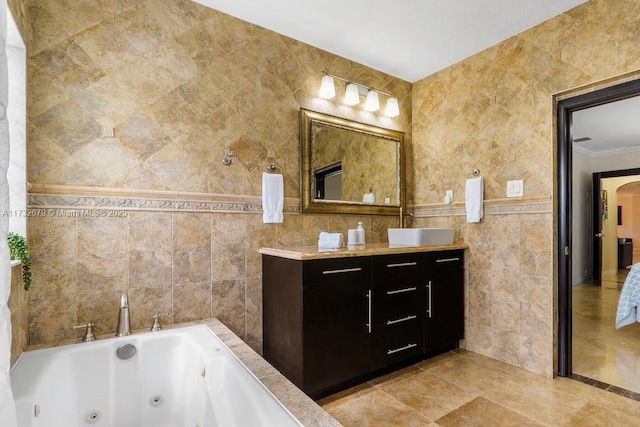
(397, 348)
(397, 310)
(448, 259)
(338, 270)
(399, 265)
(393, 286)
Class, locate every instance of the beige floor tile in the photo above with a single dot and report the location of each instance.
(345, 395)
(463, 371)
(430, 395)
(374, 407)
(481, 412)
(484, 361)
(395, 376)
(541, 399)
(441, 358)
(618, 403)
(462, 388)
(600, 351)
(593, 414)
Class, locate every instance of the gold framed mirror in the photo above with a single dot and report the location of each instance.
(350, 167)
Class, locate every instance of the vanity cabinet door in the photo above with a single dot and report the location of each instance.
(336, 318)
(444, 300)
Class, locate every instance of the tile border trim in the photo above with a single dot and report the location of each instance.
(45, 196)
(42, 201)
(529, 205)
(92, 198)
(606, 387)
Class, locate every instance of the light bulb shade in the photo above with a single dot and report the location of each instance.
(372, 103)
(351, 95)
(392, 109)
(327, 88)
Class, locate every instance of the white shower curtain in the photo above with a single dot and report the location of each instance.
(7, 407)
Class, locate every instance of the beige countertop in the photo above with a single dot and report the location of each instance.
(312, 252)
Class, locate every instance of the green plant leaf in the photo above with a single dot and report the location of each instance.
(18, 250)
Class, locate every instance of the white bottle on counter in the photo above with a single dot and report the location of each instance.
(360, 233)
(352, 237)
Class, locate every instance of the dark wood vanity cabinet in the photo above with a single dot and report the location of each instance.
(316, 320)
(444, 301)
(335, 316)
(327, 322)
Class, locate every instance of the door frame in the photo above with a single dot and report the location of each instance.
(564, 175)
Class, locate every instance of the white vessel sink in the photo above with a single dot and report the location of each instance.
(420, 236)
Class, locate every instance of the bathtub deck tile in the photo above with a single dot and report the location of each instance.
(306, 410)
(260, 367)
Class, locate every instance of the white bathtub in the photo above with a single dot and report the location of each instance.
(182, 377)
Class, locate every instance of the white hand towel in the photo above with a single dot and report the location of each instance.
(272, 197)
(330, 240)
(473, 199)
(368, 198)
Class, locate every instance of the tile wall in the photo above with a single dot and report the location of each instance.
(494, 111)
(148, 96)
(19, 308)
(188, 266)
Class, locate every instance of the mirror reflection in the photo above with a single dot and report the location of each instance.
(354, 166)
(350, 165)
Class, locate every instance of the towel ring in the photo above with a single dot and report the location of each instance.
(476, 172)
(271, 167)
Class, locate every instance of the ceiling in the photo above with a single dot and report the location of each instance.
(613, 128)
(408, 39)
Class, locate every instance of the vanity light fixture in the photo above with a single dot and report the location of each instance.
(352, 95)
(392, 109)
(327, 88)
(372, 103)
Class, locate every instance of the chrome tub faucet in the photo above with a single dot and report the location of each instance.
(124, 323)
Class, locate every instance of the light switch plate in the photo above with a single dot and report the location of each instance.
(515, 188)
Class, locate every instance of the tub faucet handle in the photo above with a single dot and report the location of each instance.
(88, 335)
(156, 322)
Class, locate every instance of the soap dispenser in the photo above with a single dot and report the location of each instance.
(360, 234)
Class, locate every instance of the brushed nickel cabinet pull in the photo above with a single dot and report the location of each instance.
(404, 319)
(406, 347)
(369, 315)
(399, 291)
(344, 270)
(429, 309)
(448, 259)
(402, 264)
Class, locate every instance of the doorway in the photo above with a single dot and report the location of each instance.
(600, 352)
(611, 243)
(565, 110)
